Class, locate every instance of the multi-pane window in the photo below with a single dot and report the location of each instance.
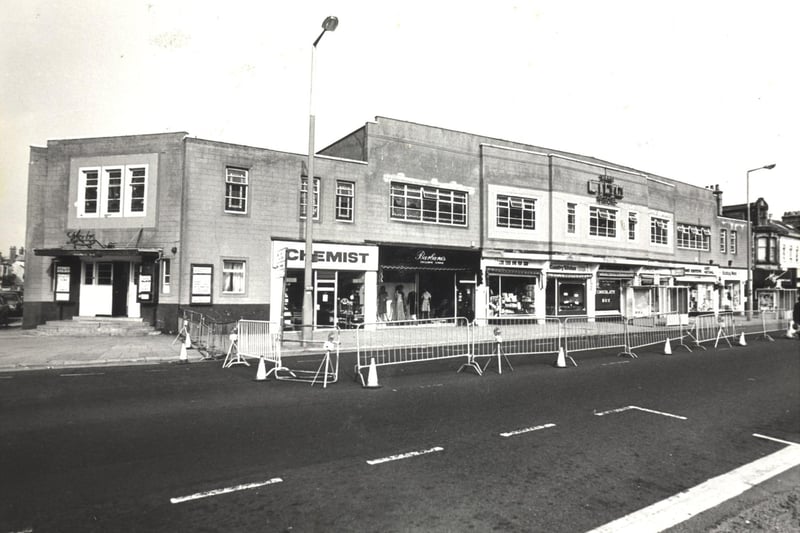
(233, 276)
(304, 197)
(516, 212)
(112, 191)
(166, 275)
(602, 222)
(734, 242)
(428, 204)
(633, 221)
(723, 241)
(571, 216)
(659, 230)
(345, 199)
(105, 273)
(236, 183)
(692, 237)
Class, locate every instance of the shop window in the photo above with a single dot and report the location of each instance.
(723, 241)
(236, 185)
(659, 228)
(304, 198)
(516, 212)
(602, 222)
(571, 216)
(345, 199)
(233, 276)
(692, 237)
(166, 275)
(428, 204)
(511, 295)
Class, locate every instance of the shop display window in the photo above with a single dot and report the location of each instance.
(511, 295)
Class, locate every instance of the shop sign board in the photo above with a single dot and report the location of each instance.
(62, 283)
(201, 283)
(325, 256)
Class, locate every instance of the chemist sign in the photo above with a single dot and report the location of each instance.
(325, 256)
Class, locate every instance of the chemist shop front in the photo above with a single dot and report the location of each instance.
(422, 282)
(344, 281)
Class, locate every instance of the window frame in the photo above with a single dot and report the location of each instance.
(345, 204)
(83, 188)
(130, 186)
(723, 241)
(693, 237)
(166, 276)
(605, 230)
(232, 272)
(734, 243)
(656, 237)
(243, 188)
(526, 205)
(425, 204)
(304, 197)
(633, 225)
(572, 217)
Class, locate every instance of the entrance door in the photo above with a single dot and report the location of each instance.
(325, 290)
(119, 294)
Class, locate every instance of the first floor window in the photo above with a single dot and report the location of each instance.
(90, 193)
(571, 216)
(659, 228)
(137, 181)
(233, 276)
(516, 212)
(345, 197)
(428, 204)
(236, 182)
(166, 275)
(113, 191)
(734, 242)
(602, 222)
(304, 198)
(691, 237)
(723, 241)
(633, 220)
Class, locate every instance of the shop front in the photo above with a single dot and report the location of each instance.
(514, 288)
(701, 283)
(731, 294)
(426, 282)
(652, 293)
(612, 284)
(566, 292)
(343, 284)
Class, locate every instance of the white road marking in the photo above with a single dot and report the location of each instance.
(82, 374)
(790, 443)
(527, 430)
(615, 363)
(6, 377)
(226, 490)
(629, 407)
(404, 456)
(684, 505)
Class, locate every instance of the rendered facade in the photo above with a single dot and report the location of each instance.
(410, 221)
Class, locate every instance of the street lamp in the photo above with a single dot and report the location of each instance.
(329, 24)
(750, 245)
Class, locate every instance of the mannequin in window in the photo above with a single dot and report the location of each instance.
(383, 304)
(425, 307)
(399, 304)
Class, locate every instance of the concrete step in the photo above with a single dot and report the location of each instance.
(96, 326)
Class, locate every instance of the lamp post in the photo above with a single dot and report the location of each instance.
(329, 24)
(750, 245)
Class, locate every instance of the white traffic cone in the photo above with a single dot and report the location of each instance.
(187, 341)
(561, 360)
(184, 357)
(667, 348)
(261, 373)
(372, 376)
(742, 341)
(790, 331)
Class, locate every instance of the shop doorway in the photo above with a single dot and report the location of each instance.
(119, 291)
(325, 291)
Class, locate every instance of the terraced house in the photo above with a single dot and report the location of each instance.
(450, 223)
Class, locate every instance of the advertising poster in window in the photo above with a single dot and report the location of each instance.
(145, 287)
(201, 284)
(608, 294)
(62, 283)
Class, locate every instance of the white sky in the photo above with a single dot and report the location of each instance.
(699, 91)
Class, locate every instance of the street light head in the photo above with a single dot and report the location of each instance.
(330, 23)
(769, 167)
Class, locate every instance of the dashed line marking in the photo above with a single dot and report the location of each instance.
(226, 490)
(404, 456)
(82, 374)
(6, 377)
(634, 407)
(527, 430)
(615, 363)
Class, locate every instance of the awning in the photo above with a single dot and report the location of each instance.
(510, 271)
(570, 275)
(95, 252)
(615, 274)
(429, 268)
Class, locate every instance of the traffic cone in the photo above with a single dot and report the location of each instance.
(184, 357)
(187, 342)
(790, 331)
(261, 373)
(667, 348)
(742, 341)
(561, 360)
(372, 376)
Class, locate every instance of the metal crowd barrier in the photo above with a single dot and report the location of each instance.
(713, 326)
(396, 343)
(772, 321)
(583, 334)
(496, 338)
(655, 329)
(208, 336)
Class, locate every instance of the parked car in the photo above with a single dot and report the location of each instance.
(14, 301)
(4, 309)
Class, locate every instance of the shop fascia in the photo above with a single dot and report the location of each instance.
(325, 256)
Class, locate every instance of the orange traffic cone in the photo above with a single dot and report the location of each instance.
(742, 341)
(372, 376)
(667, 348)
(261, 373)
(561, 360)
(184, 357)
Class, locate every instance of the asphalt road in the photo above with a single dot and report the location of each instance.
(149, 448)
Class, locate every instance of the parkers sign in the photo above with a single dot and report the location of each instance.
(327, 256)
